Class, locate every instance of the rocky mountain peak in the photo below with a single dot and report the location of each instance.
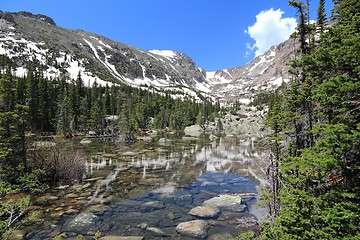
(39, 17)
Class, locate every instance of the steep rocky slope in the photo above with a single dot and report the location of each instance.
(265, 73)
(25, 36)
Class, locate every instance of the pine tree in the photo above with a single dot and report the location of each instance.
(12, 130)
(321, 17)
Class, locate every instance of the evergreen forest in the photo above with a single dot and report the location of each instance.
(315, 163)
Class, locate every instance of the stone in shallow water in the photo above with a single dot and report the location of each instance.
(83, 219)
(158, 231)
(152, 206)
(217, 236)
(122, 238)
(205, 212)
(195, 228)
(226, 201)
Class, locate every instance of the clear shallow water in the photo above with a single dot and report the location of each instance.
(148, 189)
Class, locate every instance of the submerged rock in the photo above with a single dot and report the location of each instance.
(205, 212)
(83, 219)
(195, 228)
(122, 238)
(158, 231)
(223, 236)
(152, 206)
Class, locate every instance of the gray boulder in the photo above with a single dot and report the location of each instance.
(194, 130)
(227, 202)
(195, 228)
(205, 212)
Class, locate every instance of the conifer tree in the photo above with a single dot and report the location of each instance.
(321, 17)
(12, 130)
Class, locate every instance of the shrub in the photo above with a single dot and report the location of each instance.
(59, 162)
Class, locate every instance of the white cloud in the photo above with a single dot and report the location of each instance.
(270, 29)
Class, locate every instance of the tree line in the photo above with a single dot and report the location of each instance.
(67, 106)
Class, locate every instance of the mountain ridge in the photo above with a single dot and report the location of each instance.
(71, 53)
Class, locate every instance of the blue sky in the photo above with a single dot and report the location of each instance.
(215, 34)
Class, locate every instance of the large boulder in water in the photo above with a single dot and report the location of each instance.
(231, 202)
(205, 212)
(195, 228)
(194, 130)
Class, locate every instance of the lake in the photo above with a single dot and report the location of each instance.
(147, 189)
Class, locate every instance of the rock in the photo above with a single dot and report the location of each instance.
(45, 200)
(247, 222)
(195, 228)
(96, 208)
(158, 231)
(189, 138)
(152, 206)
(205, 212)
(223, 236)
(164, 141)
(129, 154)
(194, 130)
(57, 214)
(18, 235)
(122, 238)
(85, 141)
(213, 137)
(143, 226)
(71, 195)
(83, 219)
(54, 234)
(43, 144)
(152, 133)
(225, 201)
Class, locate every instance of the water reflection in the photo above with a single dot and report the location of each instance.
(155, 186)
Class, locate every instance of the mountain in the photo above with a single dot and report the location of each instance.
(265, 73)
(25, 36)
(71, 53)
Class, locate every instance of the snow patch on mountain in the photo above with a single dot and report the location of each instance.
(169, 54)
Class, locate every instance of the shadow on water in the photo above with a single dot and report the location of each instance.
(148, 189)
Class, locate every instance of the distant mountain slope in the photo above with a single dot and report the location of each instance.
(25, 36)
(265, 73)
(72, 53)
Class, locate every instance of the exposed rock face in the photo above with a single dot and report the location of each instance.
(205, 212)
(38, 17)
(196, 228)
(265, 73)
